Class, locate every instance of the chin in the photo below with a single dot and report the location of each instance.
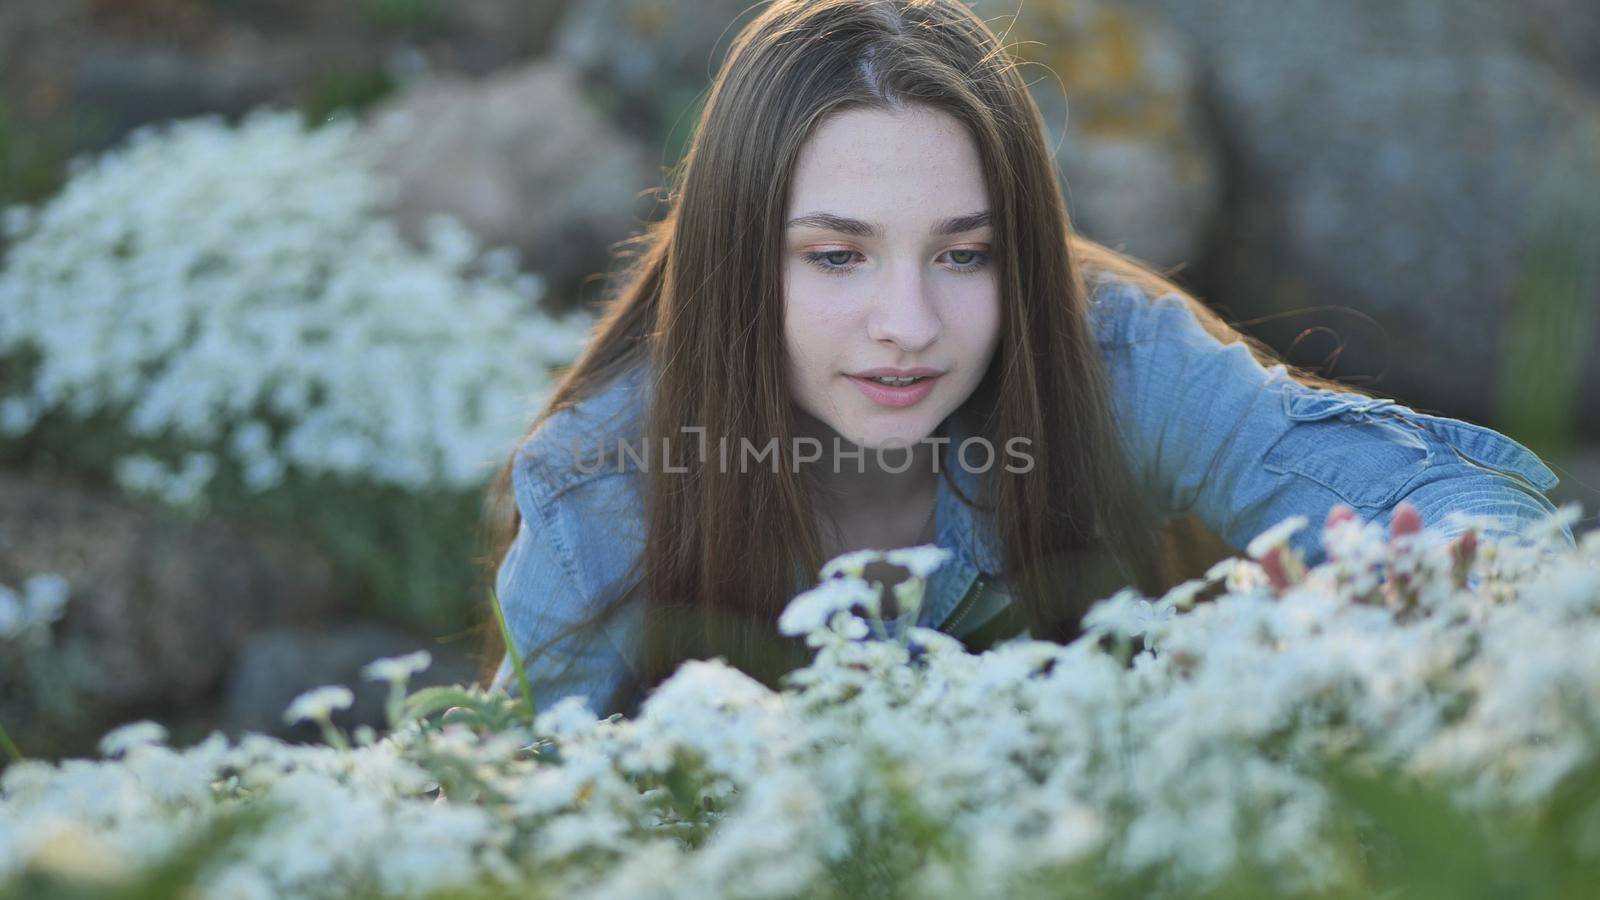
(890, 430)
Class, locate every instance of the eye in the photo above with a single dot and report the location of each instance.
(833, 262)
(968, 259)
(837, 262)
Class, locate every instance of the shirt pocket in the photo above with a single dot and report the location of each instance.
(1370, 450)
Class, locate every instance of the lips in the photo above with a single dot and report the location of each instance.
(892, 397)
(892, 372)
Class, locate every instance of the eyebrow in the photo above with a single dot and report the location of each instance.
(858, 228)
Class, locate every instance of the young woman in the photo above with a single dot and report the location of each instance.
(865, 322)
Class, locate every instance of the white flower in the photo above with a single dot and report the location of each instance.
(1067, 755)
(183, 488)
(318, 704)
(123, 738)
(1275, 536)
(1117, 614)
(41, 602)
(14, 220)
(813, 609)
(852, 563)
(1222, 569)
(1181, 596)
(1128, 614)
(46, 597)
(13, 618)
(1148, 615)
(568, 716)
(923, 561)
(241, 291)
(908, 596)
(397, 668)
(17, 416)
(1238, 575)
(1549, 528)
(848, 626)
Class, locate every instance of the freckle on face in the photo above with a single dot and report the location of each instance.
(903, 303)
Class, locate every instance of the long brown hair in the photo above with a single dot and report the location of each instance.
(700, 303)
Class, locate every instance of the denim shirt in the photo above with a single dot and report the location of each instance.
(1209, 431)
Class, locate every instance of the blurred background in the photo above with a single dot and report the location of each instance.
(282, 281)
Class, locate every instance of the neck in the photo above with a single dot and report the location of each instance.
(861, 503)
(868, 481)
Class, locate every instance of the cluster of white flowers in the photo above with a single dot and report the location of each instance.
(241, 291)
(40, 603)
(1178, 738)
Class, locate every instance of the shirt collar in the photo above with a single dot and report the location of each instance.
(966, 532)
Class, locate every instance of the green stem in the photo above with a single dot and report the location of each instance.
(333, 735)
(516, 657)
(879, 628)
(9, 746)
(396, 703)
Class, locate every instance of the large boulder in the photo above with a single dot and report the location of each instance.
(523, 161)
(84, 73)
(647, 61)
(1405, 161)
(1141, 172)
(157, 606)
(1569, 30)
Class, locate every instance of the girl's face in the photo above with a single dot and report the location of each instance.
(887, 269)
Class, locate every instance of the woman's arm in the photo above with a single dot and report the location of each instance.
(1212, 432)
(543, 587)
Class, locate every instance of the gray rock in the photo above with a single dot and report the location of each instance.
(106, 68)
(1393, 159)
(485, 35)
(157, 606)
(133, 85)
(1569, 31)
(276, 665)
(1134, 145)
(1141, 172)
(649, 59)
(520, 159)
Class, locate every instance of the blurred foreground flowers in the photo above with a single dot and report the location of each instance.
(1418, 710)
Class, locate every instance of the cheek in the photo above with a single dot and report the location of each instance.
(813, 329)
(802, 347)
(795, 317)
(992, 322)
(974, 320)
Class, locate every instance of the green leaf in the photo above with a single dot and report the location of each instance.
(9, 746)
(432, 700)
(516, 656)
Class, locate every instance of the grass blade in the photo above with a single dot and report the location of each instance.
(516, 655)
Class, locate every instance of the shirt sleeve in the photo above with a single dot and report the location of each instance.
(542, 590)
(1212, 432)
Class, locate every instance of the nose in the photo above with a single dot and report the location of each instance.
(904, 316)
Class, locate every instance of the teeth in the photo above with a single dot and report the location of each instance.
(896, 382)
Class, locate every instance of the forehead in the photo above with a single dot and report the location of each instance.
(912, 164)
